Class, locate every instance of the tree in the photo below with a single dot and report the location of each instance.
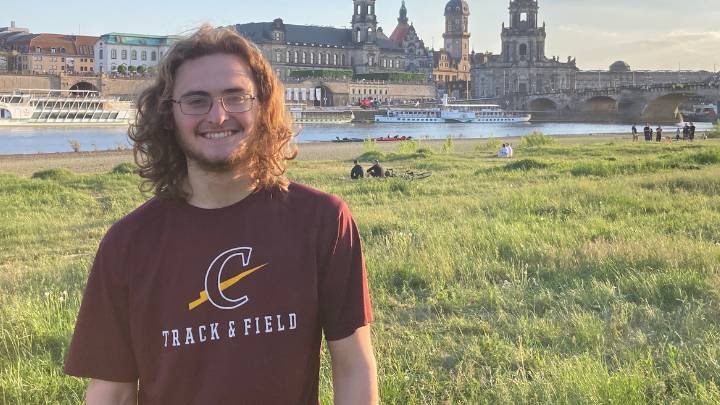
(132, 69)
(122, 69)
(141, 69)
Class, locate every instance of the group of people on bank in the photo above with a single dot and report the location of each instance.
(686, 134)
(357, 172)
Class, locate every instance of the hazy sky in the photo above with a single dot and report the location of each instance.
(647, 34)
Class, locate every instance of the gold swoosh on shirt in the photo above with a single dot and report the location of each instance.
(224, 285)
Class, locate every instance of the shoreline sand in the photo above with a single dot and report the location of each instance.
(102, 161)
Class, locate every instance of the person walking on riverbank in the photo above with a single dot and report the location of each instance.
(647, 131)
(219, 288)
(686, 132)
(634, 133)
(691, 131)
(658, 133)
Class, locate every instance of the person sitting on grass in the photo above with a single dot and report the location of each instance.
(509, 150)
(376, 170)
(357, 171)
(503, 151)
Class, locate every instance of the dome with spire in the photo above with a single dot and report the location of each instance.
(457, 7)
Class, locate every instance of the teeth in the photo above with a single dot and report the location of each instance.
(217, 135)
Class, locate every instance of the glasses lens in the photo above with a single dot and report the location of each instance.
(195, 105)
(237, 102)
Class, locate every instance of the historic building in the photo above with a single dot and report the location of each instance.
(371, 63)
(452, 63)
(139, 51)
(522, 66)
(419, 58)
(51, 53)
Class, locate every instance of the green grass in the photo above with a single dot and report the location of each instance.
(567, 274)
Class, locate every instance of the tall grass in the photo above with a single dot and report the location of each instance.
(568, 274)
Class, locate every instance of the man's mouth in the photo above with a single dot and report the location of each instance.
(218, 134)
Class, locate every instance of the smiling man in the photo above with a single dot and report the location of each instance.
(219, 289)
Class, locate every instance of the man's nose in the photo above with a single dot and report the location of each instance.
(217, 113)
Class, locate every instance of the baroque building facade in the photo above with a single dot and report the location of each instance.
(51, 53)
(521, 67)
(361, 55)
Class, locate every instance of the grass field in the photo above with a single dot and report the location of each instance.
(571, 273)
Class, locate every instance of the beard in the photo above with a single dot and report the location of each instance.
(234, 161)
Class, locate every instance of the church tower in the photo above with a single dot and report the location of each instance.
(456, 36)
(364, 21)
(523, 41)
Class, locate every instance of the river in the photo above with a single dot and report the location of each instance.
(28, 140)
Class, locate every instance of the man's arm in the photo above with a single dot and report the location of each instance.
(100, 392)
(353, 369)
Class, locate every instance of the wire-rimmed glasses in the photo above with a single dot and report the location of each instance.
(200, 104)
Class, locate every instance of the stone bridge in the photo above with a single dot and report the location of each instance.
(656, 103)
(106, 85)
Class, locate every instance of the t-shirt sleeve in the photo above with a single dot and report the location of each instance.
(343, 289)
(101, 346)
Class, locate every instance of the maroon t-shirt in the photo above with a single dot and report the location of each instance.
(222, 306)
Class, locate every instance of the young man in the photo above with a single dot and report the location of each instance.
(376, 170)
(218, 289)
(356, 172)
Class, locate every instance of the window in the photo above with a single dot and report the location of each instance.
(342, 60)
(523, 50)
(153, 56)
(304, 57)
(143, 55)
(123, 54)
(277, 58)
(334, 59)
(52, 50)
(295, 57)
(312, 58)
(133, 55)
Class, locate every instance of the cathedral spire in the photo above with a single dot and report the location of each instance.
(403, 14)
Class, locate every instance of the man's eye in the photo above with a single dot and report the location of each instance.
(235, 99)
(196, 101)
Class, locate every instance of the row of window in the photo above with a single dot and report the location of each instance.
(310, 58)
(133, 54)
(369, 91)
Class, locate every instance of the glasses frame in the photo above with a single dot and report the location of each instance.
(212, 103)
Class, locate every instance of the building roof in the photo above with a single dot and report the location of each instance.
(119, 38)
(619, 67)
(308, 34)
(261, 32)
(457, 7)
(399, 33)
(65, 44)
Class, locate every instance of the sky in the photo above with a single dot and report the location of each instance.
(647, 34)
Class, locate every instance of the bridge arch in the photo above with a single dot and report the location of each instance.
(664, 108)
(83, 86)
(599, 104)
(543, 104)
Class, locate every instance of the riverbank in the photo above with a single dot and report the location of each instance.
(102, 161)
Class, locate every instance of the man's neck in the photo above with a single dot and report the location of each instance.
(209, 189)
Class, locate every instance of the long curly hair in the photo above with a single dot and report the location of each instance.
(162, 162)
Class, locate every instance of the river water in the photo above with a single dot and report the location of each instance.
(28, 140)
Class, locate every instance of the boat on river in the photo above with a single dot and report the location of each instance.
(454, 113)
(302, 114)
(62, 107)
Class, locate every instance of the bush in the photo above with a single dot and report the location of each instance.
(409, 146)
(535, 139)
(491, 144)
(714, 133)
(75, 145)
(124, 168)
(53, 174)
(448, 145)
(525, 164)
(122, 69)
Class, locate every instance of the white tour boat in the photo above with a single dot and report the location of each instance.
(302, 114)
(454, 113)
(62, 107)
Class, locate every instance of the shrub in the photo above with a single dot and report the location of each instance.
(409, 146)
(53, 174)
(714, 133)
(124, 168)
(535, 139)
(525, 164)
(122, 69)
(448, 145)
(75, 145)
(492, 144)
(370, 145)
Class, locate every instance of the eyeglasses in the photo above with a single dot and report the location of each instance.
(198, 104)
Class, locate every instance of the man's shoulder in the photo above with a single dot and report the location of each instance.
(140, 218)
(304, 194)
